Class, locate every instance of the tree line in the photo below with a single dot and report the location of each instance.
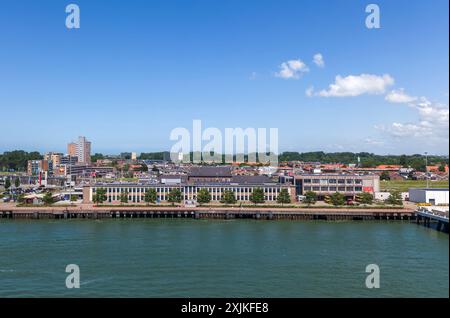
(17, 160)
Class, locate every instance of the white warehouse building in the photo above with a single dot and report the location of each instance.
(431, 196)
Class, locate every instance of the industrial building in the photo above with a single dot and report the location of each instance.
(325, 184)
(438, 196)
(216, 180)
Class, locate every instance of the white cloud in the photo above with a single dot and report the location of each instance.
(355, 85)
(318, 60)
(433, 123)
(434, 115)
(373, 142)
(406, 130)
(292, 69)
(399, 96)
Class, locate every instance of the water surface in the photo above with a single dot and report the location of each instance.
(221, 258)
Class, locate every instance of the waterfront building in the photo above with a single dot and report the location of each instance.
(434, 196)
(325, 184)
(216, 180)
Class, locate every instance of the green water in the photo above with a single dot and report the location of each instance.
(236, 258)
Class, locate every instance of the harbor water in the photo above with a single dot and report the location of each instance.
(221, 258)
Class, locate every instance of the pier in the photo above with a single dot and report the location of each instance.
(433, 218)
(257, 213)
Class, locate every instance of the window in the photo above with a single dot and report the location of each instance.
(332, 181)
(341, 181)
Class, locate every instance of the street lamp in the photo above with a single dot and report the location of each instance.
(426, 167)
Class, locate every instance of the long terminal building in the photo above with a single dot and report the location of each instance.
(217, 180)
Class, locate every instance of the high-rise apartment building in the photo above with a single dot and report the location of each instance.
(80, 149)
(72, 149)
(84, 150)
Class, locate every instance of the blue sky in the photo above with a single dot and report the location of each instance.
(137, 69)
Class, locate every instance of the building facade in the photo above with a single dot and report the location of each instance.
(54, 157)
(34, 167)
(136, 192)
(84, 150)
(80, 149)
(431, 196)
(216, 180)
(72, 149)
(348, 184)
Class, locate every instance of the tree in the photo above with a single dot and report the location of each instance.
(73, 197)
(365, 198)
(175, 196)
(100, 196)
(97, 156)
(17, 160)
(124, 197)
(395, 198)
(21, 198)
(385, 176)
(150, 196)
(257, 196)
(419, 166)
(284, 197)
(203, 196)
(17, 182)
(441, 168)
(310, 197)
(7, 183)
(228, 197)
(402, 160)
(48, 198)
(337, 199)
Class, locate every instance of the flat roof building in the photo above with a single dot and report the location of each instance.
(216, 180)
(325, 184)
(437, 196)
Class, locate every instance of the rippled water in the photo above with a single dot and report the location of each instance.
(221, 258)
